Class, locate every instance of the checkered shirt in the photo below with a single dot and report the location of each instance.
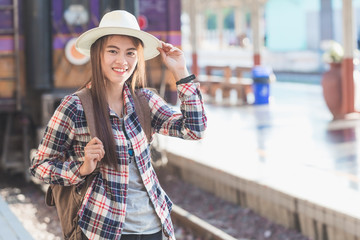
(102, 213)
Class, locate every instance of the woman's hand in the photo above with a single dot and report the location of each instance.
(94, 152)
(174, 60)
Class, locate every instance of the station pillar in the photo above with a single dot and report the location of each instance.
(347, 82)
(257, 26)
(194, 26)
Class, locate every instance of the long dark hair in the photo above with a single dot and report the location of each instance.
(98, 92)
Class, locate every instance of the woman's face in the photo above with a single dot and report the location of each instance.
(120, 57)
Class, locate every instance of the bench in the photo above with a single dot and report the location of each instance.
(210, 82)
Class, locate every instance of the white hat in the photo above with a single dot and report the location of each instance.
(122, 23)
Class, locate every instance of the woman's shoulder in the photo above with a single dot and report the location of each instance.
(71, 100)
(70, 105)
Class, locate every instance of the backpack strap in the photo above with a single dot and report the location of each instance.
(86, 101)
(143, 112)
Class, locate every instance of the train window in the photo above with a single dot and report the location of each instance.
(76, 12)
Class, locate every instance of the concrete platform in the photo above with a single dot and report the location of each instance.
(287, 155)
(10, 226)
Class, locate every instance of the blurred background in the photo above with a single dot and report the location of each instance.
(280, 82)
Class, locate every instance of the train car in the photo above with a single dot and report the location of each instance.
(39, 64)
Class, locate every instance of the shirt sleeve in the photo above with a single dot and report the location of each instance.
(189, 124)
(52, 162)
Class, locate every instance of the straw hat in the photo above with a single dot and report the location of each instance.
(118, 22)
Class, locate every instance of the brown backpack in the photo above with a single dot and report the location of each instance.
(68, 199)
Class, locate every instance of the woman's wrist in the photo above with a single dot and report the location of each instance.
(180, 74)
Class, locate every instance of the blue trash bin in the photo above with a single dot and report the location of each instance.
(261, 84)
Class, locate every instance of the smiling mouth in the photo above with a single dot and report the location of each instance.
(120, 70)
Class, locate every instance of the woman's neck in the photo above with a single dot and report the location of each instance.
(115, 98)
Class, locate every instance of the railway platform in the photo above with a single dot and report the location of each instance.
(287, 160)
(10, 226)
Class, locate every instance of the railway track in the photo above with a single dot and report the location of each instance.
(26, 200)
(198, 226)
(187, 222)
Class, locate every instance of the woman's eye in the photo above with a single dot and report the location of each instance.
(131, 54)
(112, 51)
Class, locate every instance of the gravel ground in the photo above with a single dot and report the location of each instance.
(27, 203)
(241, 223)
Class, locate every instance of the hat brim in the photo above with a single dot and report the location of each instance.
(151, 43)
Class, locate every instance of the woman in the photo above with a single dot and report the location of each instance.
(125, 200)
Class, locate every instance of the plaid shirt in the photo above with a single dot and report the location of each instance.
(102, 213)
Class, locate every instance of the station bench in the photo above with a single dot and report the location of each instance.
(210, 82)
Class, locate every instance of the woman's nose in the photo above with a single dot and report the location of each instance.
(121, 59)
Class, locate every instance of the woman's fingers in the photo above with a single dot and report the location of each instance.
(94, 150)
(94, 140)
(174, 60)
(96, 153)
(167, 48)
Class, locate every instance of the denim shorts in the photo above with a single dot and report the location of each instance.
(154, 236)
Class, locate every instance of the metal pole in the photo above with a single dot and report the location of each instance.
(38, 44)
(132, 6)
(17, 54)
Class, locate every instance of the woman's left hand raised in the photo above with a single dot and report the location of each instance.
(174, 60)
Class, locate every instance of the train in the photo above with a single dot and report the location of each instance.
(39, 64)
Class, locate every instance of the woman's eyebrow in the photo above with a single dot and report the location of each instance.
(129, 49)
(112, 46)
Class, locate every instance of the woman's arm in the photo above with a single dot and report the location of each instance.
(48, 164)
(189, 124)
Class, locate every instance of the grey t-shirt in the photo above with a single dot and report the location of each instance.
(141, 217)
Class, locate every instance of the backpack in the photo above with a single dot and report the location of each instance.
(68, 199)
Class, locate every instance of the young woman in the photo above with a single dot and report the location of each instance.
(125, 199)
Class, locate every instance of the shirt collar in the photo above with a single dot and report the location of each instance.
(129, 107)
